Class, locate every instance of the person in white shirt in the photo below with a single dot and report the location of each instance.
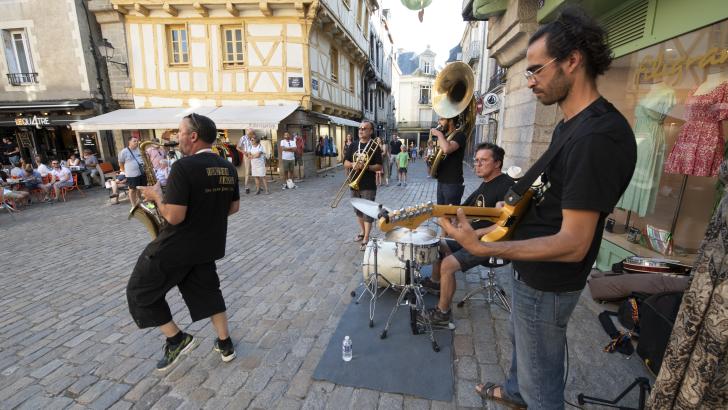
(288, 158)
(61, 177)
(132, 165)
(41, 167)
(244, 147)
(17, 171)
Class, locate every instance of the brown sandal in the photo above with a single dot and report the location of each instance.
(487, 391)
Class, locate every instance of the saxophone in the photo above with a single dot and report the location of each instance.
(146, 211)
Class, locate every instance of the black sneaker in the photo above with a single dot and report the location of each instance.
(437, 319)
(247, 190)
(173, 352)
(226, 349)
(431, 286)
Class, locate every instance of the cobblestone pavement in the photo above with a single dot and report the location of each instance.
(67, 340)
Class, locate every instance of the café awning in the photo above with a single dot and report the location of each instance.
(229, 117)
(342, 121)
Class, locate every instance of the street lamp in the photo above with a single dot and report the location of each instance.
(107, 50)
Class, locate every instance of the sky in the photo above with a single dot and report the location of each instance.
(442, 27)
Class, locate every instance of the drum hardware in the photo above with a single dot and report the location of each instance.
(372, 281)
(492, 292)
(412, 289)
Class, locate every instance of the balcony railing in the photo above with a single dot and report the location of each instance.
(473, 52)
(22, 78)
(498, 78)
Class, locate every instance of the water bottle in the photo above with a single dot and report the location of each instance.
(346, 349)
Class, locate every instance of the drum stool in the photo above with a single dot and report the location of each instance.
(492, 292)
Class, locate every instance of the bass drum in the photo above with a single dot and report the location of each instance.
(388, 264)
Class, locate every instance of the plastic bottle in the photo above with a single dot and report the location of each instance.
(346, 349)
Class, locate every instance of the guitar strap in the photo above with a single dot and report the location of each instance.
(516, 192)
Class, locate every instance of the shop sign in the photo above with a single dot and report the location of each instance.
(653, 68)
(314, 84)
(88, 141)
(295, 82)
(37, 121)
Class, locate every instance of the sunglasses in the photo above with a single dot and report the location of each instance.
(195, 124)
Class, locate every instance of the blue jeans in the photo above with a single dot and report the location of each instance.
(449, 194)
(538, 334)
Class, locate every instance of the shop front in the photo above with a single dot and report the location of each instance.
(43, 129)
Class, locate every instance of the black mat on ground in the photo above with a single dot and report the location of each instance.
(401, 363)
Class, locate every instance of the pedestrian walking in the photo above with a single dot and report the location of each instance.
(257, 156)
(402, 164)
(202, 191)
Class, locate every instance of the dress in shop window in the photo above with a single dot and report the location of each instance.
(649, 134)
(699, 147)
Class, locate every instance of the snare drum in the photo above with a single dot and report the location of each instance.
(388, 265)
(420, 245)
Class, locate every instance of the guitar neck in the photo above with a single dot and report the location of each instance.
(472, 212)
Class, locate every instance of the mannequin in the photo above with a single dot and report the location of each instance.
(712, 81)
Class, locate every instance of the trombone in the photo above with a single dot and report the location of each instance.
(354, 176)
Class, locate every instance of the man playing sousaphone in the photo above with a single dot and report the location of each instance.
(450, 171)
(367, 183)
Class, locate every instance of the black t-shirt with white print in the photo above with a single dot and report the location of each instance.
(207, 184)
(368, 181)
(590, 173)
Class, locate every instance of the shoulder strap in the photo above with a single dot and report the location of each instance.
(519, 189)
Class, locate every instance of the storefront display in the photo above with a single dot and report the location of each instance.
(675, 95)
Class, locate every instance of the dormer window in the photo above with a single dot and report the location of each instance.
(426, 68)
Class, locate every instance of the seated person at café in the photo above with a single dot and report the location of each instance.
(61, 177)
(162, 172)
(17, 170)
(18, 197)
(41, 167)
(31, 178)
(73, 161)
(114, 184)
(91, 164)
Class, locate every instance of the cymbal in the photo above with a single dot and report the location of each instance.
(367, 207)
(419, 236)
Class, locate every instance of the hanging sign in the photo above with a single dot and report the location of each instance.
(36, 121)
(314, 84)
(88, 141)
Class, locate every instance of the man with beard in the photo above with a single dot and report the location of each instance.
(202, 192)
(557, 240)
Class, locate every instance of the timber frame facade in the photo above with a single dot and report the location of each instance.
(184, 53)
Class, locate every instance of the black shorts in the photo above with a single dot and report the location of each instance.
(153, 277)
(403, 170)
(465, 259)
(369, 194)
(134, 182)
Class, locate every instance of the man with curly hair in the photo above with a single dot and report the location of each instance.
(557, 240)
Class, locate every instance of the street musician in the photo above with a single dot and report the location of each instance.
(450, 171)
(355, 158)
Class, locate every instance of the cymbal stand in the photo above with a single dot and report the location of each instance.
(371, 285)
(492, 292)
(413, 289)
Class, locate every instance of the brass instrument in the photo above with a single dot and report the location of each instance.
(146, 211)
(453, 97)
(355, 175)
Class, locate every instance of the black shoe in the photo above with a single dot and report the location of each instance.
(226, 349)
(437, 319)
(431, 286)
(173, 352)
(247, 190)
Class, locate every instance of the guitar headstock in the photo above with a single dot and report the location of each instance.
(410, 217)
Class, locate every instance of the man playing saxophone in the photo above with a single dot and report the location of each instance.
(202, 192)
(450, 170)
(355, 158)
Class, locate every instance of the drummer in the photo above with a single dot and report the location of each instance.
(488, 166)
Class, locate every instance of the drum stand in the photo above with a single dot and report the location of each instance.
(413, 289)
(371, 286)
(492, 292)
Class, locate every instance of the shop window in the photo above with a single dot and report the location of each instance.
(352, 76)
(18, 57)
(334, 64)
(232, 46)
(177, 45)
(425, 94)
(675, 97)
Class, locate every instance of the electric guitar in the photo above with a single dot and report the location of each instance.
(504, 219)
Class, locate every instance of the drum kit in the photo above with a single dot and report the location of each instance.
(395, 263)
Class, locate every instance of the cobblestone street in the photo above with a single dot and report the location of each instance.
(68, 341)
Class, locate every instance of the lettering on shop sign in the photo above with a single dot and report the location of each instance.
(295, 82)
(39, 122)
(654, 68)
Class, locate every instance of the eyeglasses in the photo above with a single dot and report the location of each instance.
(195, 125)
(479, 161)
(365, 128)
(532, 71)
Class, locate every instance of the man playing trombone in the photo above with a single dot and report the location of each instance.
(356, 158)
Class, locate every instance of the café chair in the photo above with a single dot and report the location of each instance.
(75, 186)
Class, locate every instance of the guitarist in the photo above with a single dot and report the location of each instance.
(558, 238)
(488, 165)
(450, 169)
